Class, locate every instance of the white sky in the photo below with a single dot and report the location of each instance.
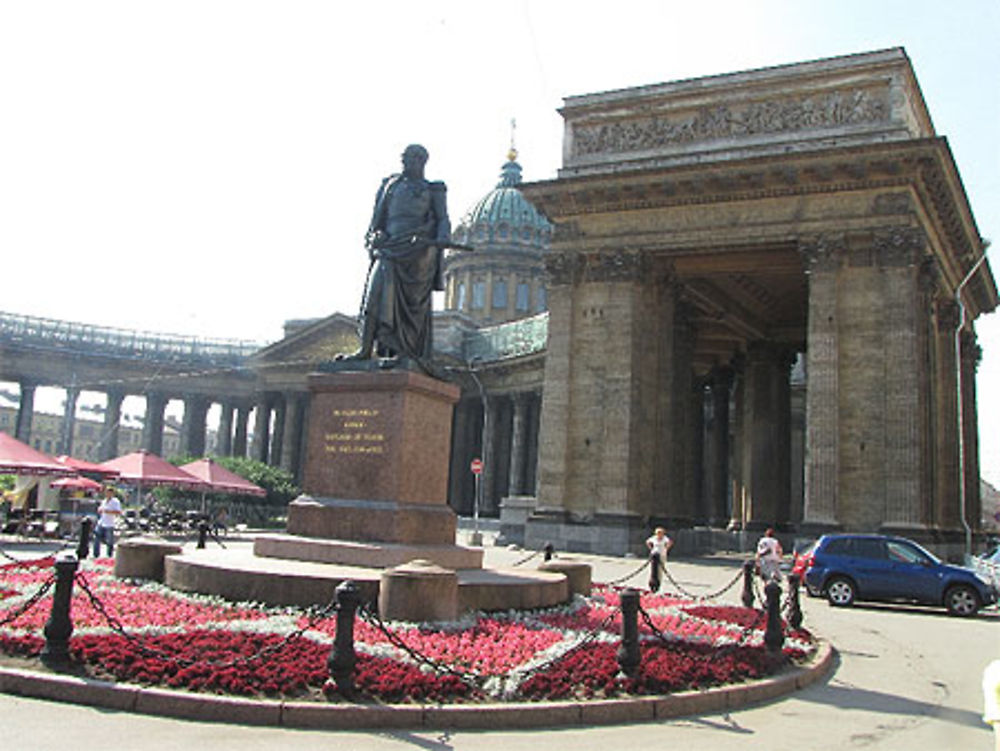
(208, 167)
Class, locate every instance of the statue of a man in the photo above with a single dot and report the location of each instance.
(405, 241)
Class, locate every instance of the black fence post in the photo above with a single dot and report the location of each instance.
(342, 657)
(774, 638)
(748, 572)
(549, 549)
(628, 652)
(86, 528)
(794, 606)
(59, 627)
(202, 534)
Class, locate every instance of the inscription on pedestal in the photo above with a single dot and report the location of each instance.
(362, 431)
(380, 437)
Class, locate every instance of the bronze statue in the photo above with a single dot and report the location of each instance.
(408, 233)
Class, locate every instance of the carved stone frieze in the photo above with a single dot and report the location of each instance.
(790, 114)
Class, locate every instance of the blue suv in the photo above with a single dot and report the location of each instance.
(849, 567)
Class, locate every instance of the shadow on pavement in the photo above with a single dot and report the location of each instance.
(847, 697)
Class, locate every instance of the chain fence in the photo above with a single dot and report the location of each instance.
(43, 589)
(143, 648)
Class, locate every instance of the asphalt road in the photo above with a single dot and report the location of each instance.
(906, 678)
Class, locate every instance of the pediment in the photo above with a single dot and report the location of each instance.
(313, 342)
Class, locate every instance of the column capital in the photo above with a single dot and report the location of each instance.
(899, 246)
(946, 312)
(822, 252)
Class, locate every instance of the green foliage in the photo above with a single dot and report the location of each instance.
(6, 482)
(279, 483)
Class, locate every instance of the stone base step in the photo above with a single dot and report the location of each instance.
(367, 554)
(239, 575)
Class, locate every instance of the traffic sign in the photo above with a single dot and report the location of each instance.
(476, 466)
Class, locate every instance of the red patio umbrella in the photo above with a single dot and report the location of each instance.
(17, 458)
(88, 468)
(148, 470)
(221, 480)
(76, 483)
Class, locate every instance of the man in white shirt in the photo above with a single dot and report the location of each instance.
(658, 545)
(769, 554)
(108, 513)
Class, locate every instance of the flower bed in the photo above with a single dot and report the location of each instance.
(142, 632)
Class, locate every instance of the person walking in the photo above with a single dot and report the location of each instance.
(108, 513)
(658, 545)
(768, 556)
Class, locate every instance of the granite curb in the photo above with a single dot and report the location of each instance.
(291, 714)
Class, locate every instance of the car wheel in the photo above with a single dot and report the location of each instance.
(962, 600)
(840, 591)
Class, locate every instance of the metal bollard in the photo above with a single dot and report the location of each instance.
(794, 607)
(86, 529)
(59, 627)
(774, 638)
(748, 572)
(202, 534)
(342, 657)
(549, 549)
(628, 652)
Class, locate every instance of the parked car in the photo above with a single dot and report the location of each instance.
(848, 567)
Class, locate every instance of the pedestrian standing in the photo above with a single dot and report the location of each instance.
(769, 554)
(107, 513)
(658, 545)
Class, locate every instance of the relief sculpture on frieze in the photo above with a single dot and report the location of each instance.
(832, 109)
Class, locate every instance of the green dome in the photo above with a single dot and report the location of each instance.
(504, 216)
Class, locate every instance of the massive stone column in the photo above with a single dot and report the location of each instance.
(68, 421)
(716, 468)
(240, 434)
(462, 443)
(152, 427)
(865, 398)
(682, 425)
(490, 456)
(112, 425)
(738, 492)
(609, 402)
(193, 426)
(945, 411)
(224, 446)
(766, 445)
(900, 254)
(531, 468)
(260, 450)
(970, 357)
(518, 444)
(25, 412)
(823, 368)
(291, 433)
(278, 432)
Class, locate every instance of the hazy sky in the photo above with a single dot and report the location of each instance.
(208, 167)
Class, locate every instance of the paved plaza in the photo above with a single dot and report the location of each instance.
(906, 678)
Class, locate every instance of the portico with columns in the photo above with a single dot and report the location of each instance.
(732, 225)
